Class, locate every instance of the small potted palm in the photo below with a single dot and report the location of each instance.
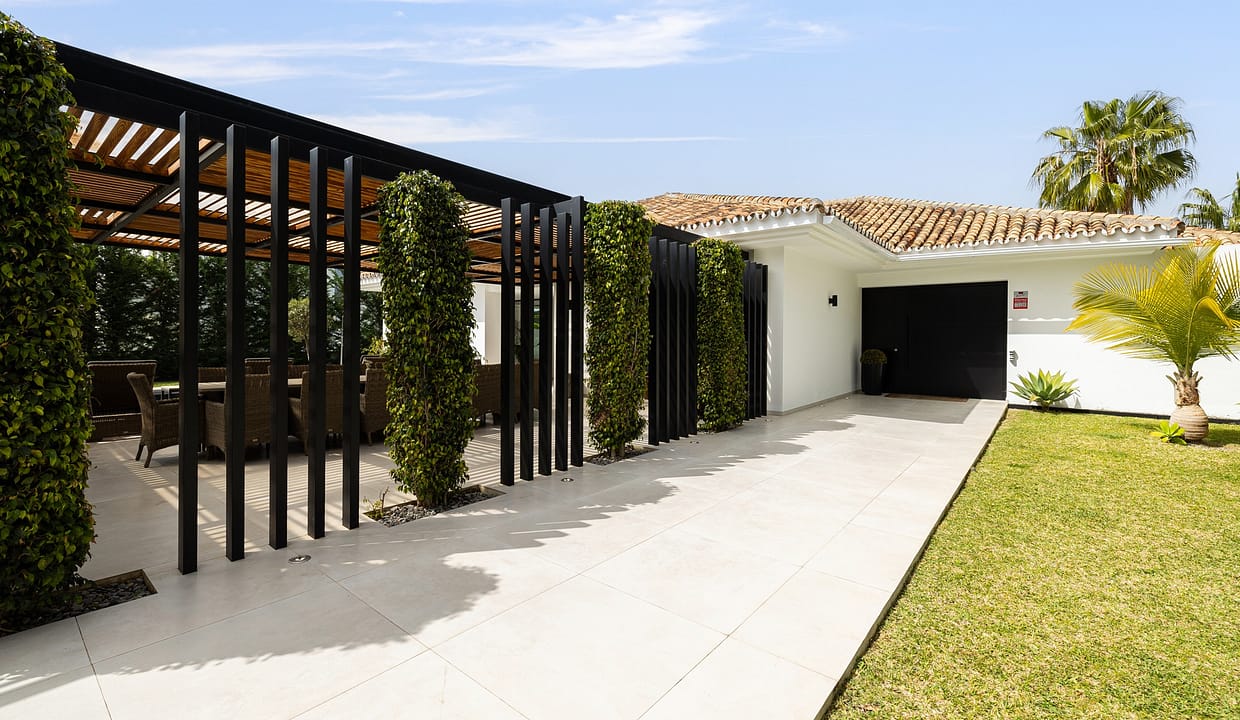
(872, 364)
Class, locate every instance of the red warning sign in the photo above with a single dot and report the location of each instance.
(1020, 300)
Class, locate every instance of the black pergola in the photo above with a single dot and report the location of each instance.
(164, 164)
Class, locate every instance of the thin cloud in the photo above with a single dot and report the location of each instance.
(623, 41)
(419, 128)
(461, 93)
(798, 35)
(632, 140)
(638, 40)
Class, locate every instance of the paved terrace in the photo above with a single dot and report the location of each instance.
(725, 576)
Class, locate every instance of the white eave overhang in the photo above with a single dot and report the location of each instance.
(758, 222)
(782, 226)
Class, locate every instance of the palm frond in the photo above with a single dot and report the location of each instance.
(1184, 308)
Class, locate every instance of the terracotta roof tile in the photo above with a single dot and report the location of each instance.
(903, 225)
(1200, 235)
(685, 209)
(922, 224)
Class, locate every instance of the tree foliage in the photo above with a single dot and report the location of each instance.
(617, 295)
(1123, 155)
(722, 380)
(1204, 210)
(428, 309)
(46, 525)
(138, 300)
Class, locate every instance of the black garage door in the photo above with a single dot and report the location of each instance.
(940, 339)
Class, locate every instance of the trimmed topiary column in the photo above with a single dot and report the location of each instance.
(427, 305)
(722, 381)
(46, 525)
(617, 293)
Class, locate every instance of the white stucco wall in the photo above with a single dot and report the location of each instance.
(1107, 380)
(817, 345)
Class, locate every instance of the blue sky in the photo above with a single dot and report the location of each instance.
(930, 100)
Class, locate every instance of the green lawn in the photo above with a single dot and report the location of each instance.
(1085, 571)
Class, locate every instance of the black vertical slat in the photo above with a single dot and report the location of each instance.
(546, 327)
(671, 392)
(234, 392)
(561, 338)
(682, 341)
(665, 293)
(693, 340)
(756, 353)
(652, 369)
(351, 343)
(507, 472)
(277, 467)
(577, 238)
(187, 347)
(314, 397)
(527, 341)
(761, 342)
(677, 341)
(687, 327)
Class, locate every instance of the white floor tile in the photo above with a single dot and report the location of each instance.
(713, 584)
(272, 662)
(581, 650)
(38, 653)
(815, 620)
(447, 589)
(740, 682)
(424, 687)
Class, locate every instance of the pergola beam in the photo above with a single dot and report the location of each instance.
(158, 195)
(118, 88)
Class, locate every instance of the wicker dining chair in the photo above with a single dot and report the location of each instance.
(160, 422)
(257, 366)
(212, 374)
(373, 404)
(299, 407)
(257, 416)
(113, 409)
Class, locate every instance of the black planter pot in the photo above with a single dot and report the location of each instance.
(872, 379)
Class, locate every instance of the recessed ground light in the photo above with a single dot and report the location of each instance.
(298, 559)
(566, 479)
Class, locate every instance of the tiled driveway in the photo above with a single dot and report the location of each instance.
(725, 576)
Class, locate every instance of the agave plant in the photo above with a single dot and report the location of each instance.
(1169, 432)
(1184, 308)
(1044, 388)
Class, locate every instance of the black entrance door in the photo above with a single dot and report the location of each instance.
(946, 340)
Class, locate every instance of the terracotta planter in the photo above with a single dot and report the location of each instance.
(1194, 421)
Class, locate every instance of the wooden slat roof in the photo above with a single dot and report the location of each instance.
(126, 156)
(119, 163)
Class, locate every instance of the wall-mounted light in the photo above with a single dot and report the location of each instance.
(834, 301)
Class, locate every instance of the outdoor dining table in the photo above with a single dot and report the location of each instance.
(217, 388)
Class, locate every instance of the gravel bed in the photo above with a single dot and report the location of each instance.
(89, 597)
(606, 459)
(410, 511)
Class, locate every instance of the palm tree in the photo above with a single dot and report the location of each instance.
(1184, 308)
(1207, 212)
(1123, 155)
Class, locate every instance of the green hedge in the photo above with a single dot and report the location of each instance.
(617, 293)
(427, 305)
(722, 382)
(46, 525)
